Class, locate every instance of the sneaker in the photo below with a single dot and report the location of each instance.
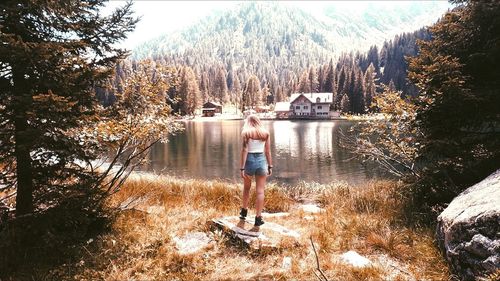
(243, 214)
(258, 221)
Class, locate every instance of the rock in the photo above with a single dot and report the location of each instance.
(355, 259)
(468, 230)
(275, 215)
(270, 236)
(287, 264)
(191, 242)
(311, 208)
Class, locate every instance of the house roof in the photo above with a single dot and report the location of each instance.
(312, 97)
(213, 103)
(282, 106)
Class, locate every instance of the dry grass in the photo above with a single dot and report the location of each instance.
(365, 219)
(495, 276)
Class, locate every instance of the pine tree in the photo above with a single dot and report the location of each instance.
(304, 85)
(313, 80)
(345, 104)
(252, 93)
(273, 85)
(236, 90)
(395, 54)
(52, 54)
(329, 84)
(281, 95)
(189, 91)
(340, 86)
(230, 81)
(204, 87)
(322, 70)
(369, 86)
(351, 91)
(457, 73)
(359, 93)
(292, 86)
(355, 94)
(343, 85)
(220, 86)
(266, 97)
(373, 58)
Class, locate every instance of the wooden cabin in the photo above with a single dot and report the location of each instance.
(211, 108)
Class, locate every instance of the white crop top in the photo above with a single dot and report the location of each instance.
(255, 146)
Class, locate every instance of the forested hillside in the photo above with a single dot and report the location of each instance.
(284, 49)
(256, 31)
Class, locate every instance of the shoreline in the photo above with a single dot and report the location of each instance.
(232, 117)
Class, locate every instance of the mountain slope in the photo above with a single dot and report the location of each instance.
(255, 32)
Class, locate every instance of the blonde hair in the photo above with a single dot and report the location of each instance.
(253, 129)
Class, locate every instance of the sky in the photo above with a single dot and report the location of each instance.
(160, 17)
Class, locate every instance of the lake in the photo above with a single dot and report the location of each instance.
(302, 151)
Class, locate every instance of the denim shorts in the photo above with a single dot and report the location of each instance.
(256, 164)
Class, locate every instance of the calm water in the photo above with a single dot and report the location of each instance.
(302, 150)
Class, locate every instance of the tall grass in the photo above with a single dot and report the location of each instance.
(368, 219)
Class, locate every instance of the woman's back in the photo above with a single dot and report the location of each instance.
(256, 146)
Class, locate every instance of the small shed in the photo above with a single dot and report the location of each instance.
(282, 109)
(211, 108)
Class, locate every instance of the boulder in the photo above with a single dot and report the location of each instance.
(269, 236)
(286, 265)
(191, 243)
(468, 230)
(355, 259)
(311, 208)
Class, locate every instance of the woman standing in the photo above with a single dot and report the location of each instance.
(255, 161)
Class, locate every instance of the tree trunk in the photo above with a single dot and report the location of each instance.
(24, 174)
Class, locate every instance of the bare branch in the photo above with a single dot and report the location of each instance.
(8, 196)
(317, 262)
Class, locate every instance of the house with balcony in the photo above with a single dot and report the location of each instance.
(310, 105)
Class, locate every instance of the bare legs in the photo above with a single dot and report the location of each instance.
(260, 183)
(247, 183)
(259, 201)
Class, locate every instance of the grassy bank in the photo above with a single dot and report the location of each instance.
(139, 242)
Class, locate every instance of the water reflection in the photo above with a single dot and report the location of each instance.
(302, 150)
